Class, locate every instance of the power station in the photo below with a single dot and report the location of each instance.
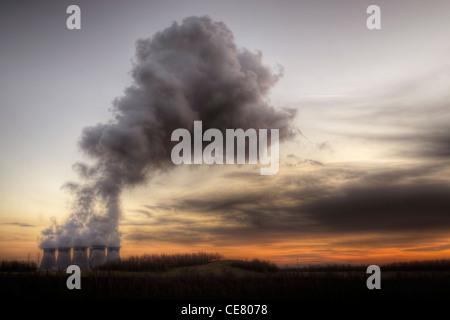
(98, 255)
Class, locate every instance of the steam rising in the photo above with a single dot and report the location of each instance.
(187, 72)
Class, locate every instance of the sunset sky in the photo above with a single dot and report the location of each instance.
(366, 179)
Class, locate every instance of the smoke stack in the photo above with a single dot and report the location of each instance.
(97, 256)
(113, 254)
(48, 260)
(80, 257)
(63, 258)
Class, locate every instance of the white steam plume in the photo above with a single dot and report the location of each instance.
(189, 71)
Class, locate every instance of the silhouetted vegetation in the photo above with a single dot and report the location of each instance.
(161, 262)
(327, 267)
(255, 265)
(17, 266)
(192, 284)
(432, 265)
(191, 277)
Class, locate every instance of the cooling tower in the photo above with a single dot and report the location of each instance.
(97, 256)
(63, 260)
(113, 254)
(80, 257)
(48, 260)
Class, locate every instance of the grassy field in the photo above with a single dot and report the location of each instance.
(227, 279)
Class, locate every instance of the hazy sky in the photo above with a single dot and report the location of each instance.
(366, 180)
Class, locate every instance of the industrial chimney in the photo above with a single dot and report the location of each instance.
(97, 255)
(80, 253)
(48, 260)
(63, 260)
(80, 257)
(113, 254)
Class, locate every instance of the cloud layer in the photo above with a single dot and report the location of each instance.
(368, 206)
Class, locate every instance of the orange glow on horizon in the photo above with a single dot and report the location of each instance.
(273, 253)
(15, 245)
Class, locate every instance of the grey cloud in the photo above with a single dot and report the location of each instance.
(158, 207)
(19, 224)
(144, 212)
(433, 144)
(433, 248)
(388, 207)
(411, 118)
(192, 71)
(294, 161)
(175, 236)
(391, 240)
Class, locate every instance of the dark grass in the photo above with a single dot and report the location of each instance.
(17, 266)
(255, 265)
(428, 265)
(161, 262)
(421, 281)
(193, 285)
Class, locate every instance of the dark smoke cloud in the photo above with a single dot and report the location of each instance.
(434, 145)
(388, 207)
(189, 71)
